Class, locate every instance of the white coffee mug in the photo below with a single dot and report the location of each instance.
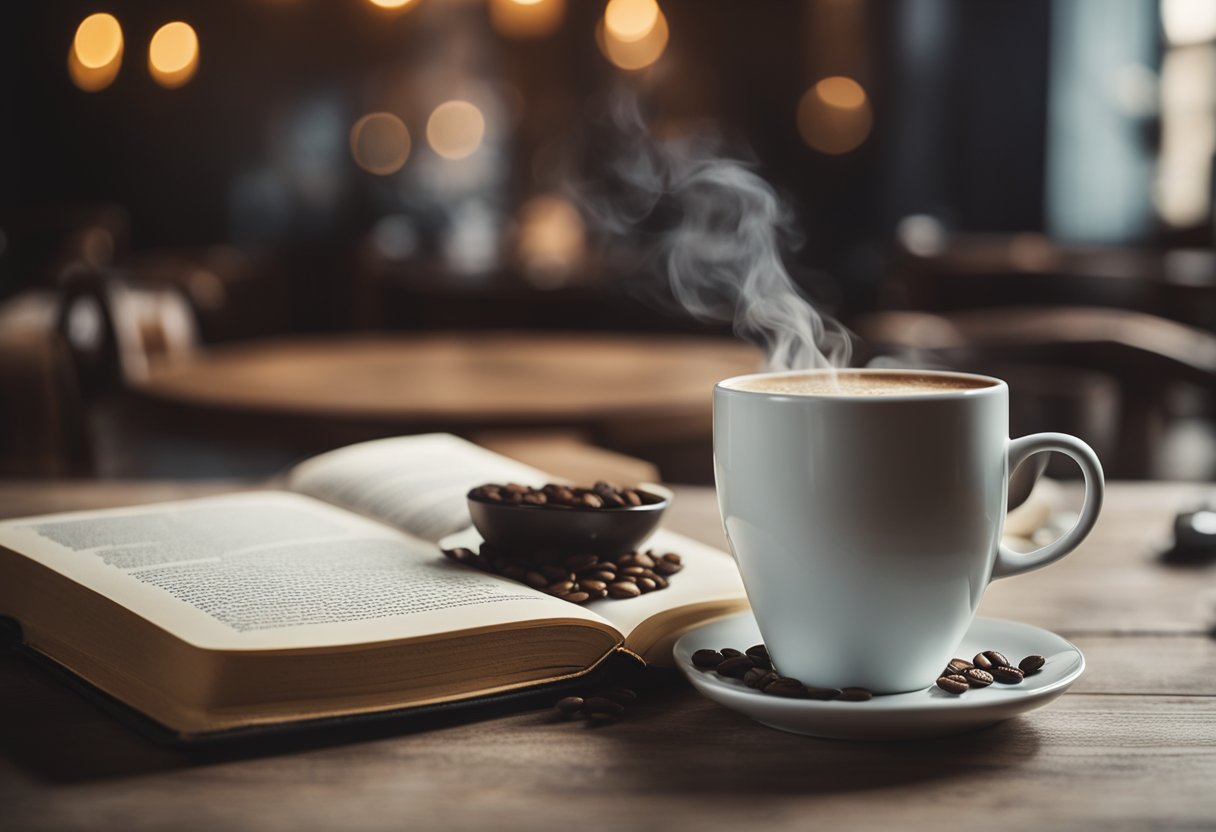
(866, 527)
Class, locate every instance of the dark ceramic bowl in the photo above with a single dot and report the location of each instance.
(598, 531)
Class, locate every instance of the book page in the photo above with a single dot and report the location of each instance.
(414, 483)
(273, 570)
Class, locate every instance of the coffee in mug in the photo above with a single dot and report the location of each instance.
(865, 510)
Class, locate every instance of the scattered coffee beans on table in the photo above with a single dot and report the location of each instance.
(577, 578)
(602, 707)
(601, 495)
(987, 667)
(755, 669)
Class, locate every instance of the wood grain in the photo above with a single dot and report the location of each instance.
(1133, 746)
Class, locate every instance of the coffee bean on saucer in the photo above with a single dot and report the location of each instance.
(1031, 664)
(855, 695)
(990, 659)
(787, 687)
(706, 659)
(823, 694)
(1007, 675)
(978, 678)
(955, 684)
(735, 667)
(758, 677)
(957, 667)
(569, 706)
(730, 652)
(758, 651)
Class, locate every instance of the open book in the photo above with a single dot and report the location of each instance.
(327, 599)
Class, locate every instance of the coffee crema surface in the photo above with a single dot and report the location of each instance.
(859, 384)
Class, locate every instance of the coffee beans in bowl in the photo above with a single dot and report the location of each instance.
(603, 520)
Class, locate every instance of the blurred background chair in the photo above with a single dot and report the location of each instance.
(1138, 387)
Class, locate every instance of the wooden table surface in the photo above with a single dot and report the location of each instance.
(458, 378)
(1131, 746)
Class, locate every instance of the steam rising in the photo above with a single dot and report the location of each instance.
(721, 231)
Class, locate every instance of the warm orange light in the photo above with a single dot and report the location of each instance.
(391, 4)
(455, 129)
(380, 143)
(173, 54)
(633, 55)
(834, 115)
(526, 18)
(96, 53)
(629, 21)
(552, 240)
(98, 40)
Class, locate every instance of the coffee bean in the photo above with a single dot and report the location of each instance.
(978, 678)
(758, 677)
(622, 696)
(535, 580)
(784, 686)
(823, 694)
(647, 584)
(757, 651)
(623, 589)
(555, 573)
(955, 684)
(602, 575)
(1007, 675)
(855, 695)
(706, 659)
(730, 652)
(596, 594)
(957, 667)
(644, 560)
(516, 488)
(570, 705)
(535, 499)
(591, 586)
(592, 500)
(577, 597)
(672, 557)
(632, 497)
(1031, 664)
(603, 705)
(576, 562)
(560, 588)
(636, 571)
(735, 667)
(990, 659)
(660, 580)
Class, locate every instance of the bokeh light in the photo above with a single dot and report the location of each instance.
(636, 54)
(391, 4)
(834, 115)
(173, 54)
(455, 129)
(380, 143)
(526, 18)
(552, 240)
(96, 53)
(629, 21)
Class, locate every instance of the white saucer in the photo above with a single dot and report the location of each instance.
(902, 716)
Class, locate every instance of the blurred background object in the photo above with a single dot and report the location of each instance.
(1018, 188)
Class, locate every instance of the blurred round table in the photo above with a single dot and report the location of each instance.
(459, 381)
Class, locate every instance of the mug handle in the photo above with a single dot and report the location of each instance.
(1009, 562)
